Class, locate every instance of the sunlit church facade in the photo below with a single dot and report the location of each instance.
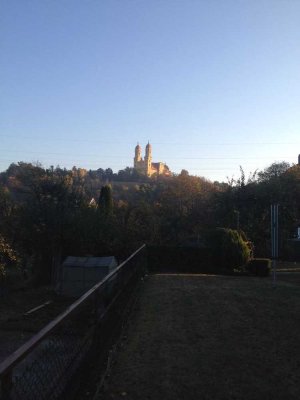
(145, 165)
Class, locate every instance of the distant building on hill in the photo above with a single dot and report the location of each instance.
(146, 166)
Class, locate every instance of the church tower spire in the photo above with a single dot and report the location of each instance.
(148, 159)
(137, 156)
(145, 166)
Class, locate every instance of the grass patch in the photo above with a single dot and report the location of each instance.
(210, 337)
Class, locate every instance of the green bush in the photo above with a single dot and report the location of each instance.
(228, 248)
(7, 256)
(259, 266)
(171, 259)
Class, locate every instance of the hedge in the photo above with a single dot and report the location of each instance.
(259, 266)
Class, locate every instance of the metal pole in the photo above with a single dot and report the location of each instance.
(274, 238)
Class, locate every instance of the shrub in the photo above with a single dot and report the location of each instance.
(178, 259)
(259, 266)
(7, 256)
(228, 248)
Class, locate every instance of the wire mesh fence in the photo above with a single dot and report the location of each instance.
(45, 366)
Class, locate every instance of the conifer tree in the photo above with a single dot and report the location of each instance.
(105, 202)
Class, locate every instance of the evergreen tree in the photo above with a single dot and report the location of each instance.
(105, 202)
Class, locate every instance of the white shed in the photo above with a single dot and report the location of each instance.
(79, 274)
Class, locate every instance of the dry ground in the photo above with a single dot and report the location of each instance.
(190, 337)
(210, 337)
(15, 327)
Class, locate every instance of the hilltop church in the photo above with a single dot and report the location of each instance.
(146, 166)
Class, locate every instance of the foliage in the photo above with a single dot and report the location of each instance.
(170, 259)
(229, 249)
(259, 266)
(274, 171)
(46, 214)
(105, 202)
(7, 256)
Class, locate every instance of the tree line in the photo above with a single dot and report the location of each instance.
(48, 213)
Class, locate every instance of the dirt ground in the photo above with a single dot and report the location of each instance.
(15, 327)
(210, 337)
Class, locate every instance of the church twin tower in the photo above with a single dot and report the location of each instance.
(146, 166)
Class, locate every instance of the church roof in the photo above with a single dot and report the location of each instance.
(157, 164)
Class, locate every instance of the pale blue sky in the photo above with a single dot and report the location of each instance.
(212, 84)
